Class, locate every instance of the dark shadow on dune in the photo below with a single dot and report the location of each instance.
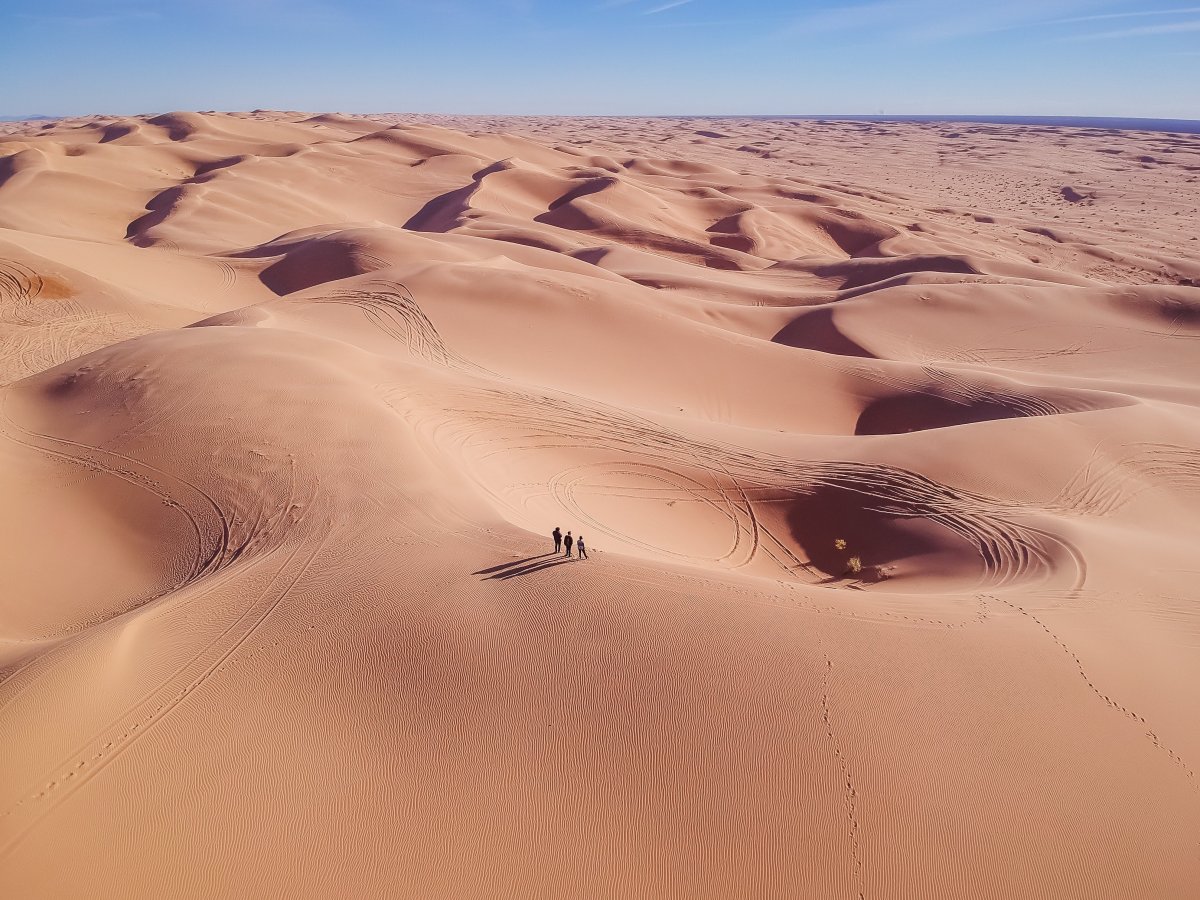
(877, 537)
(307, 262)
(116, 131)
(160, 207)
(442, 213)
(516, 563)
(921, 412)
(216, 164)
(530, 569)
(179, 125)
(862, 271)
(8, 168)
(815, 330)
(591, 255)
(445, 212)
(590, 186)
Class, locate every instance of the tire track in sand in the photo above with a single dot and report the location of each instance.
(87, 762)
(19, 287)
(1009, 549)
(391, 307)
(1105, 485)
(213, 529)
(207, 518)
(676, 486)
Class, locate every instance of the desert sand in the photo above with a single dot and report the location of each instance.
(883, 438)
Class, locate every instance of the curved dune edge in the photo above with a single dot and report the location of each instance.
(891, 483)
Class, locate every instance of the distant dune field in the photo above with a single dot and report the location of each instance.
(883, 439)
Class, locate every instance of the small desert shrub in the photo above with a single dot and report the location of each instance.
(854, 564)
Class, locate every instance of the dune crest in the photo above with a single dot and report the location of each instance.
(890, 477)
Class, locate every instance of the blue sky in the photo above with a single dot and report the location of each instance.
(1000, 57)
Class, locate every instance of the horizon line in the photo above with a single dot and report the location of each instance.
(1015, 118)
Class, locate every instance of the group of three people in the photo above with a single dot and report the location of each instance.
(560, 542)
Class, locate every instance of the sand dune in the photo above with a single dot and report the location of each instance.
(884, 440)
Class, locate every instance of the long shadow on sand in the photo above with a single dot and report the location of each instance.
(525, 566)
(535, 567)
(514, 564)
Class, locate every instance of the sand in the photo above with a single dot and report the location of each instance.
(883, 438)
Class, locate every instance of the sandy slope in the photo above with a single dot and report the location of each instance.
(278, 615)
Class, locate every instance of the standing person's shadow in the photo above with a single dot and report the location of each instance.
(526, 566)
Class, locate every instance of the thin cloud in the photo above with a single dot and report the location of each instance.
(1141, 31)
(1178, 11)
(936, 20)
(665, 7)
(717, 23)
(88, 21)
(286, 13)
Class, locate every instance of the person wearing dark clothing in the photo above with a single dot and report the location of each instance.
(582, 548)
(568, 541)
(557, 535)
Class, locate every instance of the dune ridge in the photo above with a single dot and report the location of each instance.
(884, 440)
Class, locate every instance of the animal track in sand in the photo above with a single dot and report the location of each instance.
(851, 791)
(1112, 704)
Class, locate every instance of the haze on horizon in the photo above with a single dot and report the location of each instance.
(1021, 57)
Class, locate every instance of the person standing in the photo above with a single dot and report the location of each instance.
(582, 548)
(557, 535)
(567, 542)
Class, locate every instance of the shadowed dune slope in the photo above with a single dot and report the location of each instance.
(890, 479)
